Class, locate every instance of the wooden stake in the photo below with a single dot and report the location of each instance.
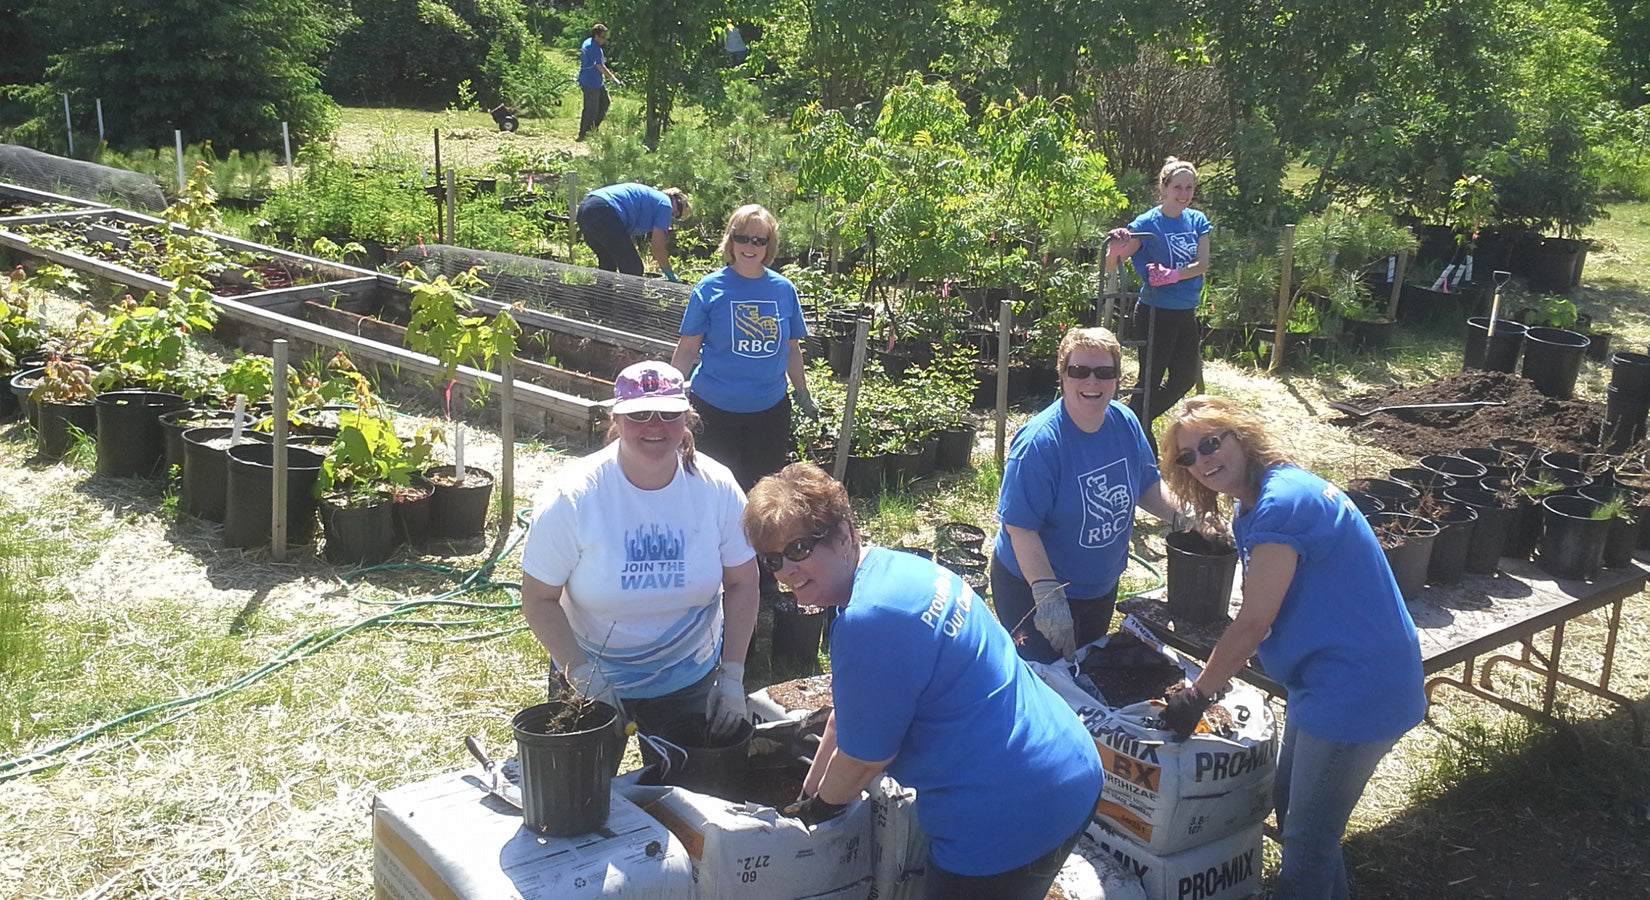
(1005, 320)
(856, 372)
(507, 434)
(1397, 285)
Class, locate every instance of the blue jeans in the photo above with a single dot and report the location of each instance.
(1318, 784)
(1028, 882)
(1011, 600)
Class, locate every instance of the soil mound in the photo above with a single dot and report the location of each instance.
(1567, 425)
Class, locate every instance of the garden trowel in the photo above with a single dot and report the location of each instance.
(502, 780)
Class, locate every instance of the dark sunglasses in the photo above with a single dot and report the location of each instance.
(1205, 447)
(1104, 373)
(663, 416)
(796, 551)
(758, 241)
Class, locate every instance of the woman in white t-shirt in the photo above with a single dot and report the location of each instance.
(638, 578)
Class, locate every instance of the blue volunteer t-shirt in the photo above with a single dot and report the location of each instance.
(590, 56)
(1077, 491)
(747, 324)
(641, 208)
(1175, 246)
(922, 672)
(1343, 642)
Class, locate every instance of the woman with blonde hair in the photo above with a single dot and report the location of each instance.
(1322, 611)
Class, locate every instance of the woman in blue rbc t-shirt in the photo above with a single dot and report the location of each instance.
(926, 686)
(1321, 610)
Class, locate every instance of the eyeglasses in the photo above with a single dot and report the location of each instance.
(1205, 447)
(1104, 373)
(796, 551)
(671, 416)
(757, 241)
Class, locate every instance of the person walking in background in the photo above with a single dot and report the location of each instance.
(1171, 260)
(593, 75)
(1323, 613)
(637, 575)
(734, 43)
(611, 217)
(741, 341)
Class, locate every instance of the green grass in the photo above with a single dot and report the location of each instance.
(26, 562)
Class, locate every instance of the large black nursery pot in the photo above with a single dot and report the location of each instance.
(567, 770)
(1492, 353)
(1624, 420)
(1391, 493)
(1522, 541)
(1572, 541)
(10, 405)
(1413, 551)
(955, 448)
(58, 424)
(1458, 467)
(21, 383)
(458, 510)
(1497, 521)
(1422, 479)
(796, 633)
(689, 757)
(1200, 577)
(1630, 375)
(1365, 502)
(130, 441)
(1515, 452)
(174, 423)
(1552, 360)
(358, 533)
(250, 497)
(205, 489)
(864, 474)
(411, 511)
(1456, 524)
(1623, 536)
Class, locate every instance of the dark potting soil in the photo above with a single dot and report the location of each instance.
(1571, 425)
(1125, 670)
(813, 692)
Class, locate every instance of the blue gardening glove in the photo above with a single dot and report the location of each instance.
(805, 402)
(812, 810)
(1052, 616)
(588, 679)
(1185, 711)
(670, 274)
(727, 705)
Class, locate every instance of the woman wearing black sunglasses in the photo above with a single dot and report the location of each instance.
(1321, 610)
(1074, 474)
(638, 579)
(741, 341)
(927, 686)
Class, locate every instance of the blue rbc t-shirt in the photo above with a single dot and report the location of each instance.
(591, 56)
(1175, 246)
(641, 208)
(1343, 642)
(1078, 492)
(922, 672)
(747, 324)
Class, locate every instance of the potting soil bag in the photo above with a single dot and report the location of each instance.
(1170, 795)
(448, 837)
(746, 851)
(1227, 868)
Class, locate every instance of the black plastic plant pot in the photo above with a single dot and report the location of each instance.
(173, 424)
(205, 472)
(249, 499)
(962, 560)
(1624, 421)
(458, 509)
(58, 424)
(359, 534)
(688, 757)
(1484, 456)
(955, 447)
(1552, 360)
(1519, 452)
(1497, 521)
(21, 384)
(1200, 575)
(1456, 524)
(1367, 503)
(864, 475)
(1492, 353)
(1572, 541)
(1391, 493)
(1421, 479)
(796, 633)
(1630, 376)
(411, 511)
(1458, 467)
(1407, 542)
(9, 404)
(567, 768)
(1562, 460)
(961, 534)
(130, 442)
(1624, 532)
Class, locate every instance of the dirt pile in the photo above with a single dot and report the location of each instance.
(1570, 425)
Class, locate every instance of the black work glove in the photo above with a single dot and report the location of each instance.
(1185, 711)
(812, 810)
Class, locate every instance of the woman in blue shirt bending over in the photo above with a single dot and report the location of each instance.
(1323, 613)
(1169, 247)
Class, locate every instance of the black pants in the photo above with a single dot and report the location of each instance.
(596, 102)
(605, 234)
(751, 445)
(1169, 363)
(1012, 600)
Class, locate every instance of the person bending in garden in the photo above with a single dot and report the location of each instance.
(927, 687)
(1171, 259)
(1321, 610)
(612, 217)
(741, 340)
(1074, 474)
(593, 75)
(637, 576)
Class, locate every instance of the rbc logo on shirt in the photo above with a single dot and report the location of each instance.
(1108, 509)
(756, 328)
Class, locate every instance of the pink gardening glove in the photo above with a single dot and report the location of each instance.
(1158, 276)
(1116, 239)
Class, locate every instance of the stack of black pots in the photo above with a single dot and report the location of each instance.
(1627, 402)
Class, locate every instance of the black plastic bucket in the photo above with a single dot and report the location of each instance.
(459, 511)
(205, 488)
(1200, 577)
(361, 534)
(1552, 360)
(130, 441)
(249, 499)
(1572, 541)
(692, 759)
(1492, 354)
(1630, 376)
(567, 778)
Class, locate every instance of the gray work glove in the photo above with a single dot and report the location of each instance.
(1052, 616)
(805, 402)
(727, 705)
(588, 679)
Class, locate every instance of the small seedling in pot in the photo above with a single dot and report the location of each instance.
(1430, 507)
(1617, 507)
(1541, 489)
